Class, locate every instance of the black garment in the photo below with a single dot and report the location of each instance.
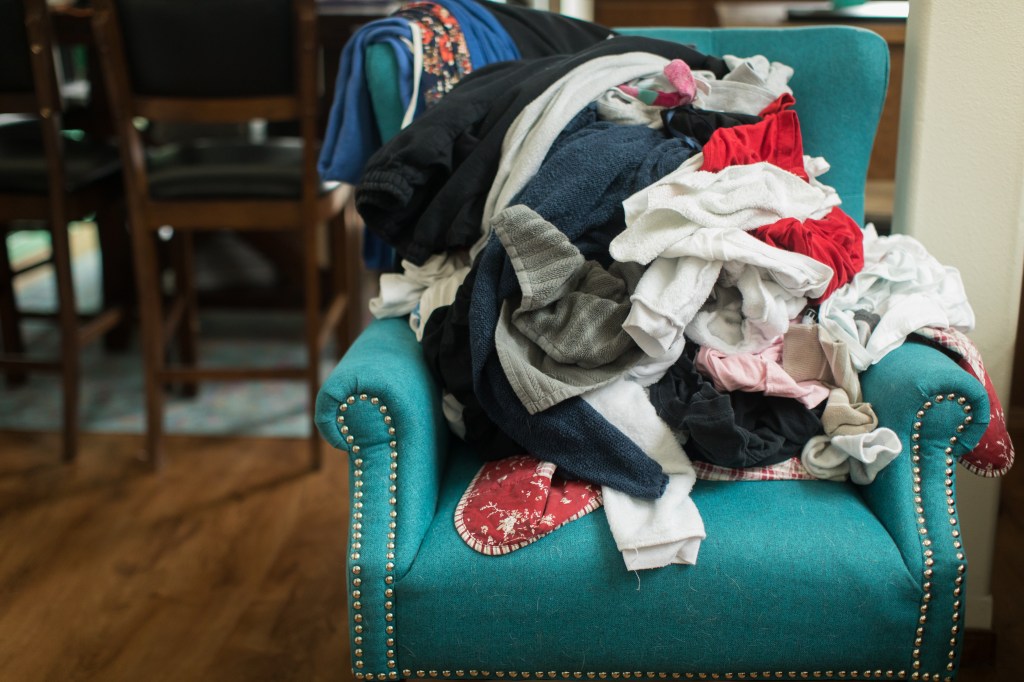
(686, 121)
(446, 349)
(424, 192)
(541, 34)
(737, 429)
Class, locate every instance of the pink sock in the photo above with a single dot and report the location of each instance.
(679, 75)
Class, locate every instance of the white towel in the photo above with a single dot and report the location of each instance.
(707, 276)
(903, 284)
(861, 456)
(650, 533)
(661, 217)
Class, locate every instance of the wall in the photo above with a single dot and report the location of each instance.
(960, 190)
(581, 9)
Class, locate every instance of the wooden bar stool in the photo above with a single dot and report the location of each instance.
(49, 177)
(224, 62)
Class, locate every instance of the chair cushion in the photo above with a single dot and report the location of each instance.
(23, 166)
(228, 168)
(793, 575)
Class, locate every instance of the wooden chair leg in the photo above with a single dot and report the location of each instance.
(67, 317)
(339, 281)
(10, 318)
(118, 289)
(148, 291)
(353, 270)
(311, 280)
(183, 255)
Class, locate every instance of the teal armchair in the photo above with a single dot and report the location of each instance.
(796, 579)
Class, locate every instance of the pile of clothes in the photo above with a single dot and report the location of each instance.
(625, 274)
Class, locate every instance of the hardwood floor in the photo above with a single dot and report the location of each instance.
(228, 565)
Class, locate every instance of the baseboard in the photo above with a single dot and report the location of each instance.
(979, 647)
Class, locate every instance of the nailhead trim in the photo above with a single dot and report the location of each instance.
(356, 535)
(926, 541)
(627, 675)
(957, 544)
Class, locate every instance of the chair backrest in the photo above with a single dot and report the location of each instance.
(209, 61)
(29, 82)
(381, 66)
(840, 81)
(210, 48)
(16, 74)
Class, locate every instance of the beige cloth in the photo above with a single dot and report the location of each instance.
(809, 352)
(853, 446)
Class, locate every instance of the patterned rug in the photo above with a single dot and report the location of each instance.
(112, 386)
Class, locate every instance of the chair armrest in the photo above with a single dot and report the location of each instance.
(939, 412)
(382, 407)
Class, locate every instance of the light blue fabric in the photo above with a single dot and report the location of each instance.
(794, 577)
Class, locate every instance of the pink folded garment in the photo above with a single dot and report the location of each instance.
(515, 501)
(760, 372)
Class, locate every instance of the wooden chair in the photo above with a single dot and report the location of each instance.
(225, 62)
(46, 176)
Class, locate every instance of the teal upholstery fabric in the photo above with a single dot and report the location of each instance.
(385, 363)
(792, 575)
(781, 558)
(796, 580)
(940, 413)
(840, 83)
(381, 407)
(382, 76)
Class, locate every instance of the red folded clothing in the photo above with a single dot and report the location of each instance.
(835, 240)
(776, 139)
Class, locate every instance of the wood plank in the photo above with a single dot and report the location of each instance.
(108, 572)
(655, 13)
(216, 110)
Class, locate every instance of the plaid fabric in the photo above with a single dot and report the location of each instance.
(994, 454)
(790, 470)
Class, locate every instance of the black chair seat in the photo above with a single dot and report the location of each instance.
(23, 166)
(215, 169)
